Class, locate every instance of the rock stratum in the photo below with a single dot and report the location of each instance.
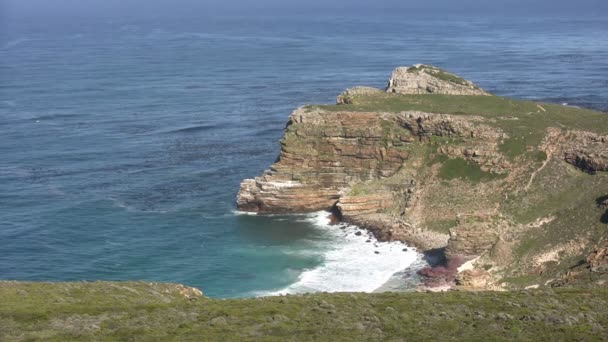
(508, 186)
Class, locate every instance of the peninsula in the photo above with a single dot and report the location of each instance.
(515, 189)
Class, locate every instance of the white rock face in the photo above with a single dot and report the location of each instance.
(427, 79)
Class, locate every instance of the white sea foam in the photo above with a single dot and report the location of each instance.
(238, 212)
(351, 264)
(14, 43)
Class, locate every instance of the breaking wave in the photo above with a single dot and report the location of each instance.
(352, 263)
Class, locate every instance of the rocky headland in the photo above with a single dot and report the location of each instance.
(514, 195)
(509, 187)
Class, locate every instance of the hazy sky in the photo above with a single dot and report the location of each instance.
(105, 7)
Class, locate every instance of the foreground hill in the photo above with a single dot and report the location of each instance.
(516, 188)
(133, 311)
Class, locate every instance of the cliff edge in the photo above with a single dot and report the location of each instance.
(508, 186)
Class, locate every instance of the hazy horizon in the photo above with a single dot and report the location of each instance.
(14, 8)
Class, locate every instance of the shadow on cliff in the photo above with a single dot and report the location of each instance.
(602, 202)
(435, 257)
(442, 270)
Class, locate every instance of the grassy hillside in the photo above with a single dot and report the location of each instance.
(524, 121)
(135, 311)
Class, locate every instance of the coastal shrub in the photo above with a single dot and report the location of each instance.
(513, 147)
(602, 201)
(464, 169)
(540, 156)
(446, 76)
(145, 311)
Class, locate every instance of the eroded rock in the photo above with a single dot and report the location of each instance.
(472, 237)
(587, 151)
(479, 279)
(347, 96)
(427, 79)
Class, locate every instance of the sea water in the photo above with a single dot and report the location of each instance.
(123, 141)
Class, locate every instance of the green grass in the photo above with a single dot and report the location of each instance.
(438, 73)
(459, 168)
(524, 121)
(507, 111)
(446, 76)
(146, 312)
(442, 226)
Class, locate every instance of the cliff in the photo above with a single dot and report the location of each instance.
(437, 162)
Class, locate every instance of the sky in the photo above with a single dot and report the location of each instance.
(153, 7)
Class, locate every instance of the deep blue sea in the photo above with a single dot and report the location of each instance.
(123, 141)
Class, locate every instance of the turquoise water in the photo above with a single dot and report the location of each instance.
(123, 141)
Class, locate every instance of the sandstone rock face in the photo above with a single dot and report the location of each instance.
(587, 151)
(598, 260)
(470, 239)
(426, 79)
(321, 154)
(594, 268)
(325, 153)
(475, 279)
(483, 141)
(358, 205)
(347, 96)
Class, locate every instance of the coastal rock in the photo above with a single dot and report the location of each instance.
(357, 205)
(190, 293)
(594, 269)
(347, 96)
(321, 154)
(427, 79)
(471, 238)
(598, 260)
(587, 151)
(478, 279)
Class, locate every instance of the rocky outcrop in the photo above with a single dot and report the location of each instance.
(598, 260)
(471, 238)
(368, 204)
(426, 79)
(587, 151)
(347, 96)
(321, 154)
(478, 279)
(481, 140)
(592, 270)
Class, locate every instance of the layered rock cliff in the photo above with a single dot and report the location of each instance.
(436, 161)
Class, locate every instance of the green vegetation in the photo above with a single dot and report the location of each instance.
(153, 312)
(442, 226)
(464, 169)
(438, 73)
(446, 76)
(524, 121)
(507, 112)
(413, 69)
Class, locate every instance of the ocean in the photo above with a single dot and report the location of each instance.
(123, 141)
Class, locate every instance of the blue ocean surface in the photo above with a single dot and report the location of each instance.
(123, 141)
